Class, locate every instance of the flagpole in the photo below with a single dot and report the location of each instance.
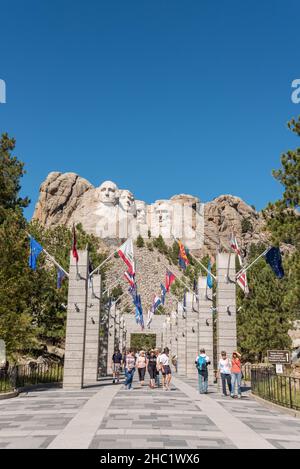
(51, 258)
(244, 270)
(199, 262)
(102, 263)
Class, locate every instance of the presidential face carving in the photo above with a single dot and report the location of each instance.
(163, 214)
(108, 192)
(126, 201)
(141, 212)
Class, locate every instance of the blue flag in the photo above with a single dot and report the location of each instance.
(60, 276)
(163, 293)
(35, 250)
(273, 258)
(209, 279)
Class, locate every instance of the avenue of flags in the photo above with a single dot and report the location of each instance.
(271, 255)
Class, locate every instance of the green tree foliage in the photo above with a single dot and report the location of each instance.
(32, 309)
(265, 315)
(272, 305)
(140, 242)
(11, 170)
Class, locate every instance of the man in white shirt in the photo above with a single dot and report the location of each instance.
(224, 368)
(166, 370)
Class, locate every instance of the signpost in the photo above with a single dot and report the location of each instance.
(279, 356)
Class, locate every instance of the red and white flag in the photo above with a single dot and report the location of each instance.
(126, 253)
(242, 282)
(242, 278)
(74, 245)
(129, 278)
(235, 247)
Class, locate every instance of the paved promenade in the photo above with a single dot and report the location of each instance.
(107, 417)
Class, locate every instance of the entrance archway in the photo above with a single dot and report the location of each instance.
(140, 341)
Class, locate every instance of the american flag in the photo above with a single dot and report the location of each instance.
(242, 277)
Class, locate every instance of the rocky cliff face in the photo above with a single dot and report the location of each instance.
(60, 195)
(67, 198)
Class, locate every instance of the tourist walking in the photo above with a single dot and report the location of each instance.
(202, 360)
(152, 368)
(129, 370)
(158, 367)
(141, 366)
(116, 365)
(224, 368)
(166, 369)
(236, 374)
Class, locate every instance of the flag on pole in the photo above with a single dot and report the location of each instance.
(273, 258)
(126, 253)
(149, 318)
(235, 247)
(242, 282)
(156, 303)
(60, 277)
(74, 245)
(183, 260)
(130, 278)
(163, 293)
(184, 301)
(242, 278)
(35, 250)
(209, 279)
(170, 277)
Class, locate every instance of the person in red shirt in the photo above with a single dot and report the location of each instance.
(236, 374)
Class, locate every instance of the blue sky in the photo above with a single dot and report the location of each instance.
(160, 96)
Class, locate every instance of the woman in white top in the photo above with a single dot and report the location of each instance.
(166, 370)
(141, 366)
(224, 367)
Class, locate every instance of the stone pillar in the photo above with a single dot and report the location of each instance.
(191, 335)
(111, 336)
(76, 322)
(181, 341)
(91, 357)
(206, 330)
(226, 304)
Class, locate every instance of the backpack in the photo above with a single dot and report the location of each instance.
(201, 363)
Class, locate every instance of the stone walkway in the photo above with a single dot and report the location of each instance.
(110, 417)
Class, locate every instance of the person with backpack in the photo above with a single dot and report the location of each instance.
(201, 364)
(224, 368)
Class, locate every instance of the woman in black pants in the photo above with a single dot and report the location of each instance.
(151, 364)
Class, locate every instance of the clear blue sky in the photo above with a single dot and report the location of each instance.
(161, 96)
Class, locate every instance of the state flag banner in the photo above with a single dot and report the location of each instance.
(235, 247)
(130, 278)
(35, 250)
(273, 258)
(126, 253)
(242, 282)
(60, 277)
(170, 278)
(183, 259)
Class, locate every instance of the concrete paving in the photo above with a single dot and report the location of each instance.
(107, 417)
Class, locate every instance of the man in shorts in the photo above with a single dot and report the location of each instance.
(165, 369)
(116, 365)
